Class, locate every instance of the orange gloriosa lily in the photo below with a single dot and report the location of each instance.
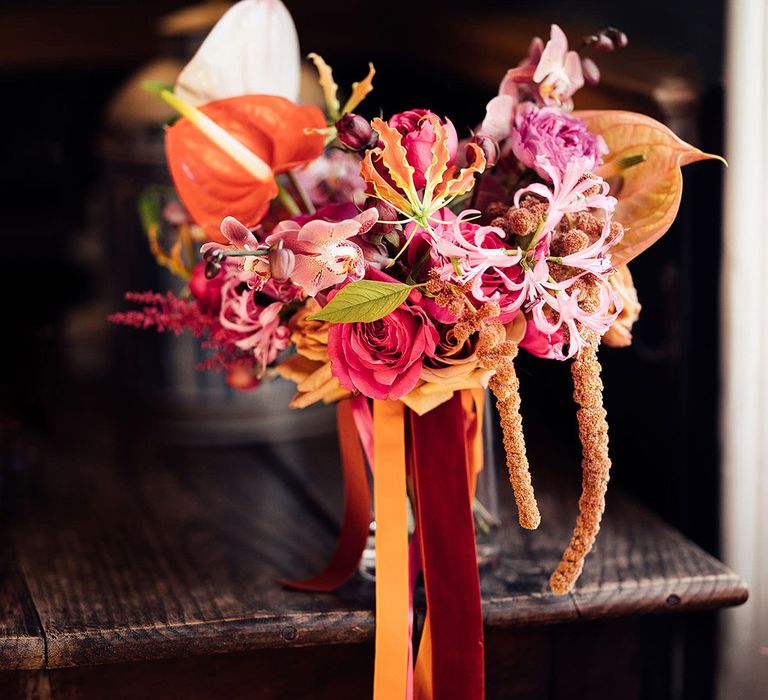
(224, 156)
(393, 182)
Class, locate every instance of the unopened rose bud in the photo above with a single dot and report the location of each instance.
(590, 70)
(489, 147)
(281, 263)
(355, 132)
(387, 215)
(235, 232)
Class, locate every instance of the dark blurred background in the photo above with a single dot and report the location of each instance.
(72, 165)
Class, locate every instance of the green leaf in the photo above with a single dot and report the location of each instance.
(363, 302)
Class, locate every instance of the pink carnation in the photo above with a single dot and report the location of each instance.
(383, 359)
(557, 136)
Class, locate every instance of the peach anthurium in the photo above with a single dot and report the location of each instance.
(224, 156)
(644, 168)
(394, 181)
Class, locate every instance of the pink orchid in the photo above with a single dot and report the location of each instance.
(324, 255)
(555, 70)
(254, 328)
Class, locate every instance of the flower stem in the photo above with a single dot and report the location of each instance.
(306, 202)
(287, 200)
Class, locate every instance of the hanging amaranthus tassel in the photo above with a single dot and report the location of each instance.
(506, 388)
(497, 353)
(593, 432)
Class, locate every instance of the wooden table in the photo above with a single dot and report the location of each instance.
(132, 570)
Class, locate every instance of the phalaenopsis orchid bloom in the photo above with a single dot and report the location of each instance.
(556, 72)
(324, 255)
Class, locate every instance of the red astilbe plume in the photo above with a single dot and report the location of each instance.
(167, 313)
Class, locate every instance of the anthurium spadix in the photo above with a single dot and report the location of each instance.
(225, 155)
(252, 50)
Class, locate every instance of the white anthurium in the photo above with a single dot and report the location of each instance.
(252, 50)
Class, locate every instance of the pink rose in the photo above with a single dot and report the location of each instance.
(419, 137)
(383, 359)
(558, 136)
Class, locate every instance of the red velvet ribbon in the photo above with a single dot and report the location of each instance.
(449, 558)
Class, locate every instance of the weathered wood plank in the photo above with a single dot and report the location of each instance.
(152, 556)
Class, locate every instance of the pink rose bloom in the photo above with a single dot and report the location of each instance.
(383, 359)
(556, 135)
(418, 139)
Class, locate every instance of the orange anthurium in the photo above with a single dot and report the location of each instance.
(224, 156)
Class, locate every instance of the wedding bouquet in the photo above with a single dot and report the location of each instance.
(397, 267)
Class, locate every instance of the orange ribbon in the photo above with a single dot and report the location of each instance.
(357, 510)
(390, 679)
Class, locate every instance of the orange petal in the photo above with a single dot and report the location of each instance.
(330, 88)
(395, 157)
(360, 90)
(212, 184)
(440, 156)
(377, 185)
(455, 183)
(648, 192)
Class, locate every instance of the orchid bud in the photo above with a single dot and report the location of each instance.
(489, 147)
(618, 37)
(236, 233)
(212, 268)
(387, 215)
(281, 263)
(355, 132)
(602, 42)
(590, 71)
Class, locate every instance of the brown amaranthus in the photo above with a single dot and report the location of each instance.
(596, 464)
(497, 353)
(506, 388)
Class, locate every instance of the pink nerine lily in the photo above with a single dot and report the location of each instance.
(324, 254)
(254, 328)
(474, 254)
(572, 191)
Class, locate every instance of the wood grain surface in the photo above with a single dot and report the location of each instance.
(126, 550)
